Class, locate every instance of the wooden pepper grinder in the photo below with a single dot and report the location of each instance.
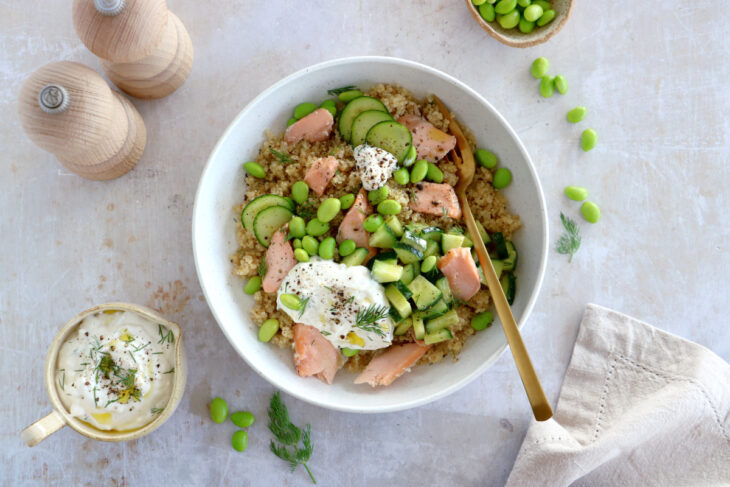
(144, 48)
(67, 109)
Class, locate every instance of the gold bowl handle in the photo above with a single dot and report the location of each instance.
(43, 428)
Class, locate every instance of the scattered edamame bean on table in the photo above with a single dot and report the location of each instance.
(218, 410)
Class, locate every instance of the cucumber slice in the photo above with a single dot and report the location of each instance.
(498, 268)
(398, 301)
(403, 327)
(403, 288)
(438, 337)
(356, 258)
(412, 239)
(432, 233)
(425, 294)
(449, 319)
(395, 225)
(419, 330)
(387, 255)
(500, 245)
(410, 271)
(483, 233)
(257, 204)
(511, 261)
(386, 272)
(450, 241)
(268, 221)
(467, 242)
(509, 286)
(447, 295)
(390, 136)
(438, 309)
(383, 238)
(355, 108)
(406, 253)
(364, 122)
(432, 248)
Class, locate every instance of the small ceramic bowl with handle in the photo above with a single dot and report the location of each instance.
(61, 416)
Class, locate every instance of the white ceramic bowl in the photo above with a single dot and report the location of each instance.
(221, 187)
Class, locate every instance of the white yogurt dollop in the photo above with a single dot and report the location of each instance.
(375, 166)
(333, 295)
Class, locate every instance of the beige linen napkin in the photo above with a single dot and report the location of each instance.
(638, 406)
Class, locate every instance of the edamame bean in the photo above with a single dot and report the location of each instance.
(255, 169)
(401, 176)
(539, 67)
(410, 157)
(389, 207)
(532, 13)
(266, 332)
(297, 227)
(505, 6)
(297, 243)
(545, 5)
(510, 20)
(349, 352)
(561, 84)
(485, 158)
(524, 3)
(478, 2)
(482, 321)
(576, 114)
(486, 11)
(218, 410)
(588, 139)
(377, 195)
(546, 86)
(317, 228)
(239, 440)
(346, 200)
(591, 211)
(546, 17)
(525, 26)
(304, 109)
(300, 192)
(419, 171)
(310, 244)
(347, 247)
(372, 223)
(291, 122)
(327, 248)
(244, 419)
(576, 193)
(291, 301)
(434, 173)
(502, 178)
(301, 255)
(428, 264)
(330, 106)
(253, 285)
(328, 210)
(346, 96)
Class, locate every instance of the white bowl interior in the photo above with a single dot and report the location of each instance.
(221, 187)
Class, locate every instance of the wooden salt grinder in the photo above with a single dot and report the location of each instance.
(67, 109)
(144, 48)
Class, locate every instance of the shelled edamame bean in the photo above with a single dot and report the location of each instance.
(218, 410)
(244, 419)
(310, 245)
(317, 228)
(428, 264)
(576, 114)
(266, 332)
(546, 86)
(330, 106)
(419, 171)
(561, 84)
(304, 109)
(576, 193)
(389, 207)
(328, 210)
(433, 173)
(300, 192)
(255, 169)
(347, 247)
(346, 200)
(297, 227)
(591, 212)
(588, 139)
(512, 13)
(372, 223)
(377, 195)
(301, 255)
(502, 177)
(482, 321)
(291, 301)
(349, 352)
(327, 248)
(239, 440)
(253, 285)
(401, 176)
(296, 243)
(539, 67)
(485, 158)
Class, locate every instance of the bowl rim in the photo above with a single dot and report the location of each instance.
(410, 403)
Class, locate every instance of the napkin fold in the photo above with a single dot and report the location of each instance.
(638, 406)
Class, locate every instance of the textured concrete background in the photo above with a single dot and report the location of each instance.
(654, 79)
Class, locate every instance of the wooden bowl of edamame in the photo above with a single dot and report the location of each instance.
(521, 23)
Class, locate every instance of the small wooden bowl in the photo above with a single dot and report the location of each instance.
(515, 38)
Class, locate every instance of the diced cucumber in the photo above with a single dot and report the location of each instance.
(425, 294)
(498, 268)
(403, 288)
(257, 204)
(268, 221)
(403, 327)
(384, 271)
(398, 301)
(483, 233)
(443, 285)
(383, 238)
(432, 248)
(353, 109)
(509, 286)
(467, 242)
(438, 309)
(432, 233)
(448, 319)
(395, 225)
(364, 122)
(416, 227)
(406, 253)
(356, 258)
(500, 245)
(412, 239)
(450, 241)
(390, 136)
(419, 329)
(511, 261)
(438, 337)
(410, 271)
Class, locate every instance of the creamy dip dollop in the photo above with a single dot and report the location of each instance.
(375, 165)
(116, 372)
(333, 296)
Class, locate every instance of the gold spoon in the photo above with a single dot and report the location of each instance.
(465, 164)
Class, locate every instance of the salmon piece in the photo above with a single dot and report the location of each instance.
(315, 127)
(459, 268)
(385, 368)
(351, 227)
(431, 143)
(319, 174)
(436, 199)
(279, 260)
(314, 354)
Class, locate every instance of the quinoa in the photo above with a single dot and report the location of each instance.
(489, 207)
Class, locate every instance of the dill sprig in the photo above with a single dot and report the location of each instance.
(569, 242)
(366, 319)
(342, 89)
(288, 435)
(282, 156)
(166, 336)
(263, 268)
(303, 306)
(156, 410)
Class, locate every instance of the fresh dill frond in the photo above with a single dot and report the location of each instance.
(282, 156)
(156, 410)
(263, 268)
(367, 319)
(142, 347)
(342, 89)
(303, 306)
(171, 371)
(289, 436)
(166, 336)
(569, 242)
